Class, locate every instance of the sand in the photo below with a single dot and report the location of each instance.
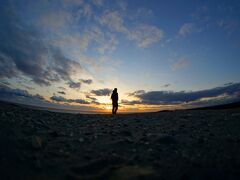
(199, 144)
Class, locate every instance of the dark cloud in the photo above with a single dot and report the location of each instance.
(38, 96)
(5, 83)
(102, 92)
(95, 102)
(8, 67)
(166, 85)
(170, 97)
(135, 93)
(62, 88)
(21, 48)
(227, 84)
(127, 102)
(79, 101)
(9, 93)
(86, 81)
(62, 66)
(24, 97)
(24, 52)
(61, 92)
(62, 99)
(93, 99)
(74, 85)
(28, 87)
(214, 101)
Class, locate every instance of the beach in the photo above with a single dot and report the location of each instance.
(182, 144)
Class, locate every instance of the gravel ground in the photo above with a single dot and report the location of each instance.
(199, 144)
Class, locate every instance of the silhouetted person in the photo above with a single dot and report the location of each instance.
(114, 98)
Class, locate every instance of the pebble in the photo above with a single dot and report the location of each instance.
(235, 115)
(201, 140)
(81, 139)
(166, 139)
(132, 172)
(36, 142)
(134, 150)
(125, 133)
(54, 133)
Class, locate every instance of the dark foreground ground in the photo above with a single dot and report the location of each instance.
(199, 144)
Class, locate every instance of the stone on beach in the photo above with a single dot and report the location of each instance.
(166, 139)
(36, 142)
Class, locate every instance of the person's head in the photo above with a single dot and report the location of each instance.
(115, 90)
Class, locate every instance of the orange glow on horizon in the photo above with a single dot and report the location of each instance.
(105, 106)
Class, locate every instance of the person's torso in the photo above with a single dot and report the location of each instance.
(115, 96)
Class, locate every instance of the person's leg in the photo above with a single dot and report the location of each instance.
(116, 108)
(113, 109)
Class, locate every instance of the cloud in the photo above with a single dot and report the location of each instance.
(171, 97)
(54, 19)
(74, 41)
(61, 92)
(73, 3)
(186, 29)
(85, 11)
(29, 52)
(145, 12)
(93, 99)
(114, 21)
(62, 99)
(229, 25)
(74, 85)
(58, 98)
(166, 85)
(180, 64)
(101, 92)
(133, 102)
(122, 4)
(86, 81)
(5, 83)
(217, 100)
(228, 84)
(8, 67)
(28, 87)
(98, 3)
(24, 52)
(202, 15)
(16, 52)
(105, 41)
(7, 93)
(145, 35)
(24, 97)
(90, 38)
(62, 88)
(135, 93)
(64, 67)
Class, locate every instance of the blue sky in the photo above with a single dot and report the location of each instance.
(64, 51)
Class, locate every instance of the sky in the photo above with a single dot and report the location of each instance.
(160, 55)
